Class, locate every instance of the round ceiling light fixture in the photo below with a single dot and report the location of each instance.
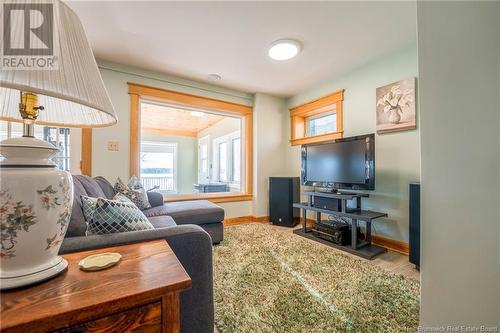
(284, 49)
(214, 77)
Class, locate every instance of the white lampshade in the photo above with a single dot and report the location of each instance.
(74, 93)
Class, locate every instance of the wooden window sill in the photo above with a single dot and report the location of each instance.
(317, 138)
(214, 197)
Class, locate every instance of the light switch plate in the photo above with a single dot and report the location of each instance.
(113, 146)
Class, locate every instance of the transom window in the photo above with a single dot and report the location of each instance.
(317, 121)
(321, 124)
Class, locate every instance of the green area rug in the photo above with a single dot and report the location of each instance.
(267, 280)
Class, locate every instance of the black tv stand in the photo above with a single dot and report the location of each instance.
(329, 190)
(363, 248)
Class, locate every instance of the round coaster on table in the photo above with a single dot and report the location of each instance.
(96, 262)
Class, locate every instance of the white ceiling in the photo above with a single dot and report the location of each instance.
(194, 39)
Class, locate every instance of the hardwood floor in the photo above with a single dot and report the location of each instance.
(390, 261)
(397, 263)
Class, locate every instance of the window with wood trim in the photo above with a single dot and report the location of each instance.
(317, 121)
(220, 158)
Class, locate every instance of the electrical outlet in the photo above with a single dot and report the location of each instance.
(113, 146)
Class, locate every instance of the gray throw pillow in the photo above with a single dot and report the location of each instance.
(105, 216)
(137, 195)
(134, 183)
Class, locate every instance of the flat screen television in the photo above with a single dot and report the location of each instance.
(347, 163)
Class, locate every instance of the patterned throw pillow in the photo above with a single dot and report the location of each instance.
(89, 203)
(121, 197)
(137, 195)
(104, 216)
(134, 183)
(88, 207)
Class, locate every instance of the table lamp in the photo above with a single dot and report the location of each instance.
(35, 197)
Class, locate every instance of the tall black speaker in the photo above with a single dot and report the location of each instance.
(283, 192)
(414, 218)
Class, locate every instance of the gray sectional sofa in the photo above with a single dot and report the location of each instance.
(189, 227)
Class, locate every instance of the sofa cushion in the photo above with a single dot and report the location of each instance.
(90, 185)
(194, 212)
(77, 225)
(82, 185)
(155, 198)
(162, 221)
(105, 186)
(155, 211)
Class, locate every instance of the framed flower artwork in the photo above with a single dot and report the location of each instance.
(396, 106)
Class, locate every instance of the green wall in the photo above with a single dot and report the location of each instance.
(397, 154)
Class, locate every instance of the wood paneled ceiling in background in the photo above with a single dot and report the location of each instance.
(166, 120)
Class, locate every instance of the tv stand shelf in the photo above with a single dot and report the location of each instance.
(363, 215)
(337, 195)
(363, 248)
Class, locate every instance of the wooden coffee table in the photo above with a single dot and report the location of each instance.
(140, 293)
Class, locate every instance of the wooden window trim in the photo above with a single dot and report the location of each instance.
(138, 91)
(174, 97)
(86, 161)
(324, 105)
(216, 198)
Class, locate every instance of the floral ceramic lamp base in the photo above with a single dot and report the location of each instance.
(35, 208)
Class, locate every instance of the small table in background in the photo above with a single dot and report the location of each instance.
(140, 293)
